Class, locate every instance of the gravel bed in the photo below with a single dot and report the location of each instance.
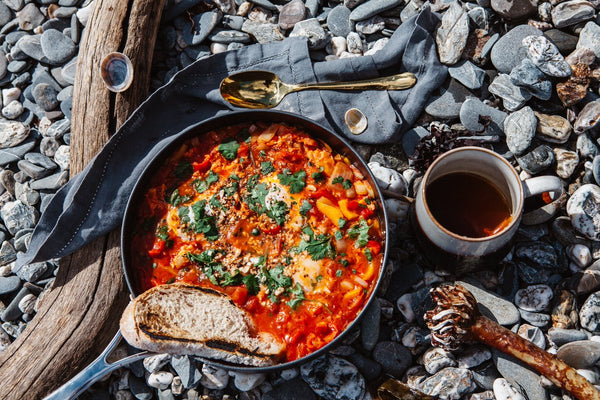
(523, 81)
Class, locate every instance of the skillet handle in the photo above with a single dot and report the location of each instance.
(94, 372)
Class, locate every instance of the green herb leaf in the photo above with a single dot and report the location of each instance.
(344, 262)
(339, 273)
(251, 284)
(368, 254)
(347, 184)
(231, 189)
(360, 231)
(317, 247)
(203, 223)
(162, 232)
(184, 214)
(229, 149)
(278, 212)
(176, 199)
(266, 167)
(339, 235)
(341, 223)
(298, 298)
(277, 275)
(296, 181)
(318, 176)
(305, 207)
(262, 153)
(337, 179)
(183, 170)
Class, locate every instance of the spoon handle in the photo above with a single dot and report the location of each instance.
(395, 82)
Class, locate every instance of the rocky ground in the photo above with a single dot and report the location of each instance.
(523, 81)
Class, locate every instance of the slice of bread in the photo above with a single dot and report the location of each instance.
(186, 319)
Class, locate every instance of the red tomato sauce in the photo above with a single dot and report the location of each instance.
(272, 217)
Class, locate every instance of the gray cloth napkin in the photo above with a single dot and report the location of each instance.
(92, 203)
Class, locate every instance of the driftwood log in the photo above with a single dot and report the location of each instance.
(79, 315)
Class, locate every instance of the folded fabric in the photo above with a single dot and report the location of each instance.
(92, 203)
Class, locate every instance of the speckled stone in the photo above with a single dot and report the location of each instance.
(508, 52)
(451, 36)
(583, 208)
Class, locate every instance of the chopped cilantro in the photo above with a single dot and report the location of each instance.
(229, 149)
(234, 177)
(354, 271)
(337, 179)
(298, 298)
(202, 185)
(305, 207)
(360, 231)
(262, 153)
(273, 278)
(230, 190)
(347, 184)
(277, 275)
(266, 167)
(342, 223)
(339, 235)
(368, 254)
(172, 280)
(339, 273)
(278, 212)
(252, 181)
(242, 159)
(251, 284)
(183, 170)
(154, 266)
(203, 223)
(215, 203)
(296, 181)
(177, 199)
(317, 247)
(319, 278)
(184, 214)
(318, 176)
(162, 232)
(344, 262)
(256, 198)
(255, 232)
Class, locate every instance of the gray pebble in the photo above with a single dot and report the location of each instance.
(589, 37)
(313, 31)
(453, 383)
(30, 17)
(448, 105)
(45, 96)
(545, 55)
(493, 306)
(52, 182)
(12, 311)
(572, 12)
(531, 78)
(373, 7)
(393, 357)
(508, 52)
(57, 47)
(513, 96)
(333, 378)
(537, 160)
(519, 128)
(560, 336)
(338, 21)
(9, 284)
(473, 110)
(468, 74)
(580, 354)
(32, 272)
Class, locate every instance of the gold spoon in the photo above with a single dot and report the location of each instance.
(264, 89)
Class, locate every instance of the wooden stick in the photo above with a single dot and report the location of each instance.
(79, 315)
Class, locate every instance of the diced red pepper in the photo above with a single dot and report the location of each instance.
(201, 166)
(238, 294)
(354, 205)
(157, 249)
(374, 246)
(243, 150)
(272, 231)
(323, 193)
(366, 213)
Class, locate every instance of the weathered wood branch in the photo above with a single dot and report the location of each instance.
(80, 314)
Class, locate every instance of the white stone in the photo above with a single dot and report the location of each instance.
(214, 378)
(338, 45)
(566, 162)
(12, 133)
(388, 179)
(289, 374)
(378, 45)
(354, 43)
(404, 305)
(584, 210)
(155, 363)
(11, 94)
(246, 382)
(580, 254)
(62, 157)
(26, 304)
(160, 380)
(83, 14)
(397, 209)
(13, 109)
(216, 48)
(505, 391)
(534, 298)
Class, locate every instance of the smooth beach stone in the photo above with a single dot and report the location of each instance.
(57, 48)
(537, 160)
(566, 162)
(532, 334)
(581, 55)
(213, 377)
(583, 208)
(588, 117)
(410, 139)
(534, 298)
(538, 253)
(338, 21)
(560, 336)
(354, 43)
(203, 24)
(589, 38)
(333, 378)
(448, 105)
(473, 110)
(480, 17)
(5, 14)
(562, 40)
(553, 128)
(493, 306)
(263, 32)
(45, 96)
(589, 315)
(393, 357)
(292, 13)
(295, 389)
(468, 74)
(369, 326)
(229, 36)
(530, 77)
(572, 12)
(519, 128)
(580, 354)
(451, 36)
(503, 390)
(514, 371)
(52, 182)
(373, 7)
(436, 359)
(247, 381)
(30, 17)
(514, 9)
(370, 369)
(545, 55)
(586, 147)
(313, 31)
(31, 46)
(451, 383)
(370, 26)
(12, 133)
(9, 284)
(509, 51)
(514, 97)
(388, 179)
(18, 216)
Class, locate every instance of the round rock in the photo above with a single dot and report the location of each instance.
(338, 21)
(545, 55)
(393, 357)
(589, 315)
(333, 378)
(583, 208)
(451, 383)
(580, 354)
(534, 298)
(292, 13)
(514, 9)
(519, 128)
(508, 52)
(57, 47)
(45, 96)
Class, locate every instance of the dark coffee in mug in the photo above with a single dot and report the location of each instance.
(468, 205)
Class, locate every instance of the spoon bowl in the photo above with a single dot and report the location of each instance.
(264, 89)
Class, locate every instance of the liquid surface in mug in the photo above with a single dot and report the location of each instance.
(468, 205)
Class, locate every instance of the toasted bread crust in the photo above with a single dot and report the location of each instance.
(186, 319)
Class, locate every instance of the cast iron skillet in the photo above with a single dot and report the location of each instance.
(338, 145)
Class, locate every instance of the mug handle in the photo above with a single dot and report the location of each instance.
(541, 184)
